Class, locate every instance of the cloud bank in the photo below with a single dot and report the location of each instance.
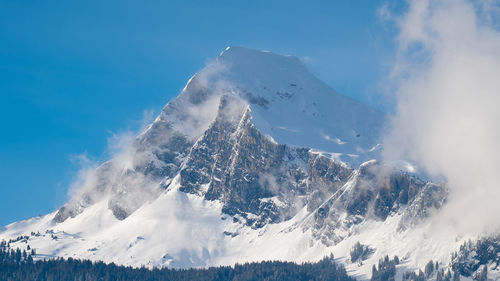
(447, 120)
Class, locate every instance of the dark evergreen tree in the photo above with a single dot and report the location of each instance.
(429, 269)
(360, 252)
(386, 270)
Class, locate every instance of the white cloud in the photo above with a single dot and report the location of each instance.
(447, 119)
(93, 182)
(85, 177)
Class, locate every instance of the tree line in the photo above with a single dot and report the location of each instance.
(17, 265)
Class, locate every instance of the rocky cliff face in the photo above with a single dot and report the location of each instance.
(257, 179)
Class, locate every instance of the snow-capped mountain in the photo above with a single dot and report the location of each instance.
(256, 159)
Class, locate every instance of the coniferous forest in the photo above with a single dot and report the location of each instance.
(19, 266)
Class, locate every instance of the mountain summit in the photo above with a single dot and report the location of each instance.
(256, 159)
(287, 102)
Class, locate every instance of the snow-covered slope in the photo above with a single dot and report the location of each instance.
(256, 159)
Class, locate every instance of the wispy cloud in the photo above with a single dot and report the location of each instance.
(95, 180)
(447, 119)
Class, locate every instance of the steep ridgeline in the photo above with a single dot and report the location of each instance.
(255, 159)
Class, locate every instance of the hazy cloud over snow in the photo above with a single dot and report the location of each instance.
(447, 119)
(85, 177)
(124, 158)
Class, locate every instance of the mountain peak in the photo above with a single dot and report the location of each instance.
(247, 56)
(287, 103)
(254, 69)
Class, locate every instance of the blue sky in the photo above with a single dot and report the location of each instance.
(72, 73)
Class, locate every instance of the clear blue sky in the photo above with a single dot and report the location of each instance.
(72, 72)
